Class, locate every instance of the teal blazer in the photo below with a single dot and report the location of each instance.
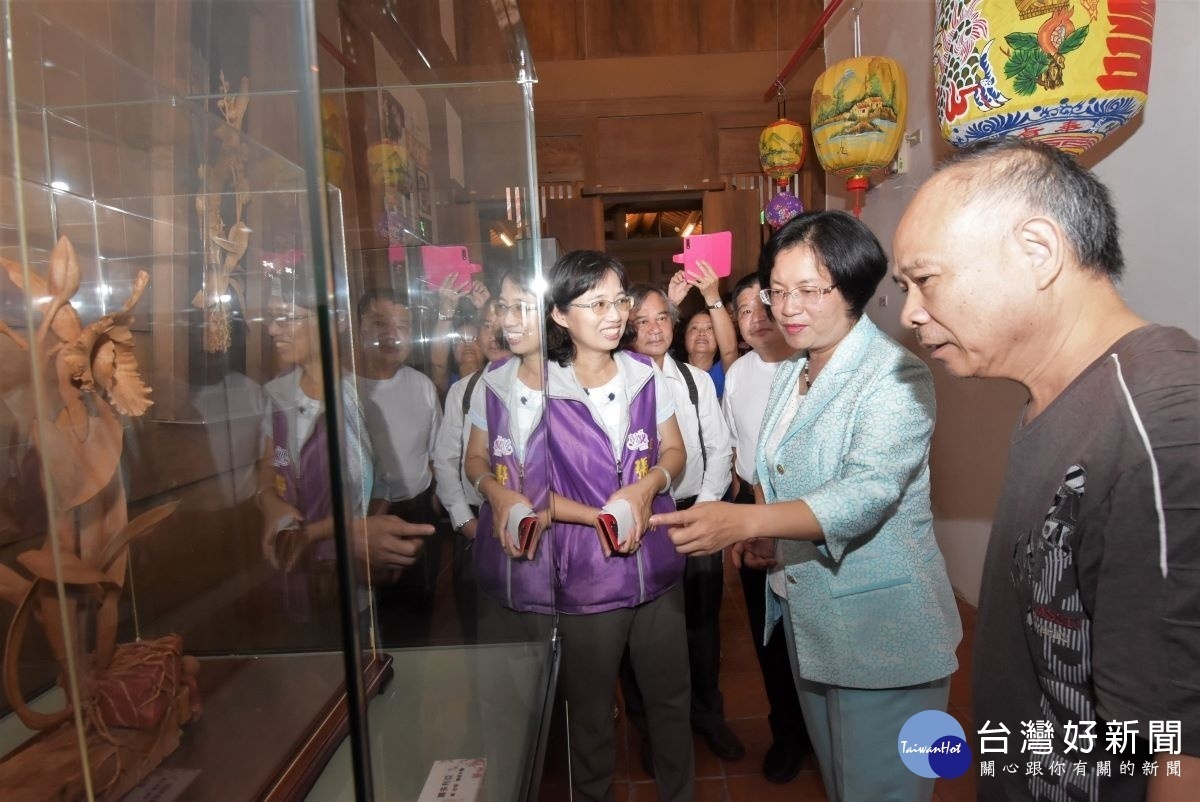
(871, 606)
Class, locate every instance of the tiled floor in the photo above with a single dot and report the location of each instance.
(746, 709)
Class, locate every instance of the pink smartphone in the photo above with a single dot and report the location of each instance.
(715, 248)
(440, 261)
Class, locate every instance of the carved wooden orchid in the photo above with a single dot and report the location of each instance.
(79, 441)
(224, 248)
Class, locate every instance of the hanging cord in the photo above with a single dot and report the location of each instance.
(799, 52)
(857, 29)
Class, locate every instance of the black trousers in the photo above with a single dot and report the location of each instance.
(465, 589)
(405, 606)
(703, 590)
(785, 718)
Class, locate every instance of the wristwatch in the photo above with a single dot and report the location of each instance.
(717, 304)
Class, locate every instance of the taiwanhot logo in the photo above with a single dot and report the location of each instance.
(932, 744)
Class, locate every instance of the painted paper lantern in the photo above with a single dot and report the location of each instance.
(781, 149)
(781, 154)
(858, 108)
(333, 139)
(387, 165)
(1063, 73)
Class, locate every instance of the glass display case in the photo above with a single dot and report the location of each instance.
(251, 252)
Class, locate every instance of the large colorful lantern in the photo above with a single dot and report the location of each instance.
(858, 108)
(781, 154)
(1063, 73)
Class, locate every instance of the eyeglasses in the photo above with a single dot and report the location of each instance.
(520, 309)
(658, 320)
(601, 306)
(808, 297)
(289, 320)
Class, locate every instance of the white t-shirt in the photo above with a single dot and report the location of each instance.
(611, 404)
(747, 390)
(402, 416)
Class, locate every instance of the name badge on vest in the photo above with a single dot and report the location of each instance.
(638, 441)
(502, 447)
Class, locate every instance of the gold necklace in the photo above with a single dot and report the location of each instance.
(807, 379)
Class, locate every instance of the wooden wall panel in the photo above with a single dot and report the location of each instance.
(560, 158)
(756, 25)
(639, 28)
(553, 29)
(587, 29)
(737, 150)
(664, 150)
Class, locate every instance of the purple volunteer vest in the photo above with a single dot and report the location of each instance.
(519, 584)
(304, 483)
(582, 467)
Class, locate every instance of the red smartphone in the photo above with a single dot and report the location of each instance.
(715, 248)
(606, 525)
(526, 528)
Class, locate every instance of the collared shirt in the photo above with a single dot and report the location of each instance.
(455, 492)
(706, 484)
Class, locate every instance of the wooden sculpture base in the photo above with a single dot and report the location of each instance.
(270, 725)
(49, 768)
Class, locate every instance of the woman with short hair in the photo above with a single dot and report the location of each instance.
(843, 464)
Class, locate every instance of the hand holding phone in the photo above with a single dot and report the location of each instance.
(715, 248)
(522, 525)
(614, 523)
(439, 261)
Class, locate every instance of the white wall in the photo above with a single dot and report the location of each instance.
(1152, 167)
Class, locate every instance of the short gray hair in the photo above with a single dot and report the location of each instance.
(1050, 182)
(639, 293)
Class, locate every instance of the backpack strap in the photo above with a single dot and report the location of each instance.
(466, 402)
(694, 395)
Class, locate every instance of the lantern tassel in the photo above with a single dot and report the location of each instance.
(858, 184)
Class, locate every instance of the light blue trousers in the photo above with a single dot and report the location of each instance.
(854, 733)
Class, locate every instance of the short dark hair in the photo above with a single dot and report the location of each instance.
(842, 243)
(575, 273)
(746, 282)
(393, 294)
(1048, 182)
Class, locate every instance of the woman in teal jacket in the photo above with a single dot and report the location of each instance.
(843, 466)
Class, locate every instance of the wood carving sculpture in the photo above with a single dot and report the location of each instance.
(128, 700)
(224, 249)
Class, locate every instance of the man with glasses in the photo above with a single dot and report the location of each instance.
(705, 478)
(403, 415)
(744, 404)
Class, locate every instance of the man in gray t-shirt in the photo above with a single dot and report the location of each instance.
(1087, 648)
